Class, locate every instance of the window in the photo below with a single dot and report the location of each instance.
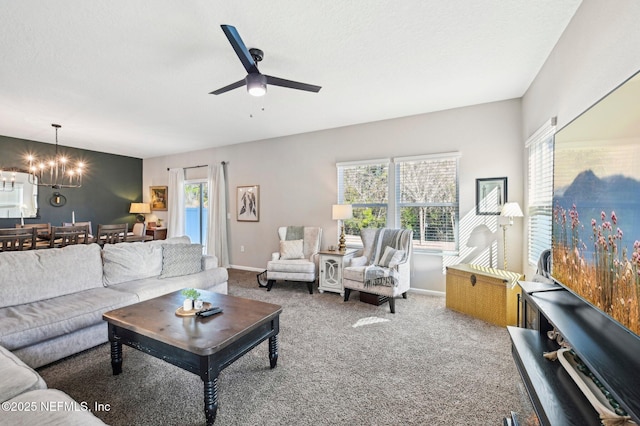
(364, 185)
(423, 192)
(427, 200)
(540, 190)
(196, 204)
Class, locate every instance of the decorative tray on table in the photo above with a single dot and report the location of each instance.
(182, 313)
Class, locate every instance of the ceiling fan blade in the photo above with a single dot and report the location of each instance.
(276, 81)
(241, 50)
(229, 87)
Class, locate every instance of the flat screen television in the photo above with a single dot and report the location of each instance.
(596, 205)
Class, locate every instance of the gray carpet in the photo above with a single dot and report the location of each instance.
(424, 365)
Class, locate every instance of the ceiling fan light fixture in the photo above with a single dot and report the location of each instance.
(256, 84)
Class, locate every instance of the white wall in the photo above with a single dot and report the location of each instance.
(596, 53)
(297, 175)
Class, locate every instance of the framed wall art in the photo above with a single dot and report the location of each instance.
(158, 198)
(491, 194)
(248, 203)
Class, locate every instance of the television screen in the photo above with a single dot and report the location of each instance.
(596, 205)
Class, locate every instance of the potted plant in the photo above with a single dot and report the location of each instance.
(190, 294)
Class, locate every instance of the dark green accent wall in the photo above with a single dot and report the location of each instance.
(110, 184)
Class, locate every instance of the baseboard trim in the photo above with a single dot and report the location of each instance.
(246, 268)
(427, 292)
(411, 290)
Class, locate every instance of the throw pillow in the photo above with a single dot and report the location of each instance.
(291, 249)
(181, 259)
(131, 261)
(390, 257)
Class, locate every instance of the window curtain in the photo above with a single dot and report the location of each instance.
(175, 227)
(217, 243)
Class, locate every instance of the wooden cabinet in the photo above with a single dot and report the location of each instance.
(157, 233)
(486, 293)
(608, 349)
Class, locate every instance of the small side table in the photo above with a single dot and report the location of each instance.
(157, 233)
(331, 265)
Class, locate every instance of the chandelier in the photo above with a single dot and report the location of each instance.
(56, 172)
(12, 182)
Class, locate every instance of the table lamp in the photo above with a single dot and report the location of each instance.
(481, 237)
(341, 212)
(140, 209)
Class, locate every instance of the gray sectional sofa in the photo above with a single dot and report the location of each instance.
(25, 399)
(52, 301)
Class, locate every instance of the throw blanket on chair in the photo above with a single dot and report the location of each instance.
(295, 233)
(382, 269)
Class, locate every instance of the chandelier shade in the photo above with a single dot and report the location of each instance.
(57, 172)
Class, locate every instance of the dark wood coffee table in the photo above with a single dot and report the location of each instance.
(204, 346)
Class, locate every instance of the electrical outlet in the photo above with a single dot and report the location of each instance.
(241, 249)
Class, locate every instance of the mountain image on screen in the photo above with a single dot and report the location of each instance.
(596, 243)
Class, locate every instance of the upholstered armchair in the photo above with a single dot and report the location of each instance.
(383, 267)
(297, 259)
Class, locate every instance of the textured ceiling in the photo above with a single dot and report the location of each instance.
(133, 77)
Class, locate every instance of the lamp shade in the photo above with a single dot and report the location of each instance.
(480, 237)
(140, 208)
(341, 211)
(511, 210)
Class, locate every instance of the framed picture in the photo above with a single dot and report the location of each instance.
(248, 203)
(158, 198)
(491, 194)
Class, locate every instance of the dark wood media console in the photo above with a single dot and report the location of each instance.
(610, 351)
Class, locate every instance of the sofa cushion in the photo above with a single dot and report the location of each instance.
(32, 275)
(17, 377)
(293, 265)
(51, 407)
(134, 261)
(144, 289)
(181, 259)
(209, 262)
(131, 261)
(291, 249)
(35, 322)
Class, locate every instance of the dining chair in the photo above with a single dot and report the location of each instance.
(62, 236)
(79, 224)
(112, 234)
(43, 230)
(139, 229)
(17, 239)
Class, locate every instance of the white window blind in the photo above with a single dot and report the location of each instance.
(427, 200)
(540, 190)
(364, 185)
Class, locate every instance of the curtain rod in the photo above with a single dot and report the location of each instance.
(196, 167)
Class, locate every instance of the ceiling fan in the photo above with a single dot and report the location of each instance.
(255, 81)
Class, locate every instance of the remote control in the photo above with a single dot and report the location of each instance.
(209, 312)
